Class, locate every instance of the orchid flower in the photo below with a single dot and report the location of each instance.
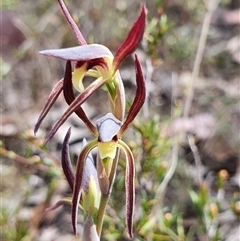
(109, 131)
(97, 61)
(108, 139)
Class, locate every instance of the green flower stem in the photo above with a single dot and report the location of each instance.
(105, 197)
(101, 212)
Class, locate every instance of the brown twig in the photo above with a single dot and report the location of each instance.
(20, 159)
(211, 6)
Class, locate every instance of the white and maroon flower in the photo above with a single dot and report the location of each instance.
(97, 61)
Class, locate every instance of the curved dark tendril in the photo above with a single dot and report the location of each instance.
(66, 161)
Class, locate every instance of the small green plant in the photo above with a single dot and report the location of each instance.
(12, 230)
(156, 28)
(14, 226)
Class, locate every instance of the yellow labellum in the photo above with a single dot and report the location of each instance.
(107, 149)
(77, 77)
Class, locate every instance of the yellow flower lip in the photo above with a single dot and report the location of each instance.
(96, 68)
(77, 77)
(107, 149)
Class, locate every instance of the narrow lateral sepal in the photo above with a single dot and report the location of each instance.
(56, 91)
(80, 99)
(139, 99)
(73, 25)
(130, 186)
(66, 161)
(78, 181)
(132, 40)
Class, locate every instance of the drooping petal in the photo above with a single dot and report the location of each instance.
(78, 181)
(129, 185)
(139, 99)
(69, 97)
(66, 161)
(75, 105)
(80, 53)
(73, 25)
(56, 91)
(132, 40)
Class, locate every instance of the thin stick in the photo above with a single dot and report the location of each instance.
(199, 56)
(160, 193)
(20, 159)
(162, 187)
(196, 156)
(148, 81)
